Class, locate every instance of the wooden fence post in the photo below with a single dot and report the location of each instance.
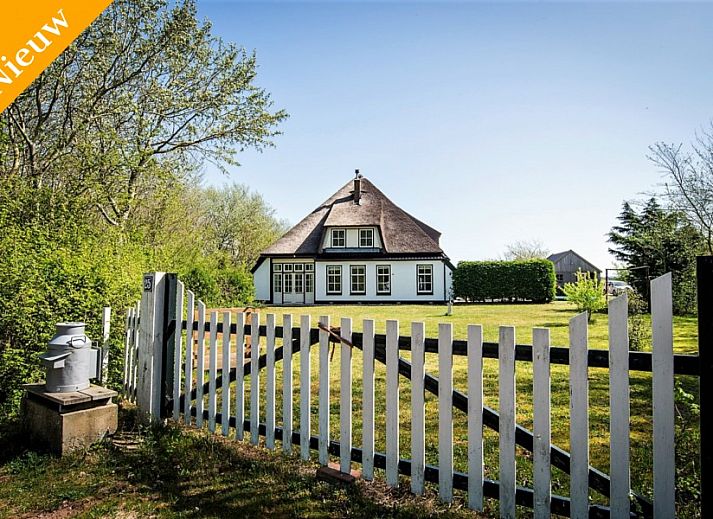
(156, 345)
(168, 344)
(663, 397)
(151, 338)
(704, 275)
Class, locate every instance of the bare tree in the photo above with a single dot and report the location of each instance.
(688, 174)
(525, 249)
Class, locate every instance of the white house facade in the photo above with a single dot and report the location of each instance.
(356, 247)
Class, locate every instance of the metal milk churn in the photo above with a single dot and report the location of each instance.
(70, 359)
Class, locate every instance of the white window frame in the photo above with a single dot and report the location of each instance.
(277, 282)
(425, 270)
(334, 271)
(357, 274)
(369, 235)
(343, 238)
(379, 279)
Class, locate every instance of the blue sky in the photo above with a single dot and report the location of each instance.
(491, 122)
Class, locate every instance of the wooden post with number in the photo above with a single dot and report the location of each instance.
(151, 345)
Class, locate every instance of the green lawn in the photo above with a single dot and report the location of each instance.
(554, 316)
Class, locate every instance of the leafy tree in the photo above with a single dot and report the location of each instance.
(587, 293)
(136, 103)
(525, 250)
(665, 241)
(238, 222)
(99, 160)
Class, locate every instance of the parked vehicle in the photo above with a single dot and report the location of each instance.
(616, 287)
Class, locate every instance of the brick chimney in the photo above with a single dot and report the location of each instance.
(357, 187)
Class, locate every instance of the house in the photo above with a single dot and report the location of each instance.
(356, 247)
(567, 264)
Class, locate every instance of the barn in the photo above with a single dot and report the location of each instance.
(567, 264)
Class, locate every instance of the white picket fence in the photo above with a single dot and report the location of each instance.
(131, 352)
(542, 500)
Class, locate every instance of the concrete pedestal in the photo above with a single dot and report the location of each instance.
(64, 422)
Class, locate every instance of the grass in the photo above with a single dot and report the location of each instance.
(178, 472)
(555, 316)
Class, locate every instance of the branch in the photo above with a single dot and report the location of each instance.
(108, 218)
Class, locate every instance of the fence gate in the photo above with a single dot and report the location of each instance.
(173, 343)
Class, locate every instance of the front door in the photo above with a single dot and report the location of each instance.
(293, 283)
(293, 286)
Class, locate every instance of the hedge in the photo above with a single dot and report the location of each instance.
(529, 280)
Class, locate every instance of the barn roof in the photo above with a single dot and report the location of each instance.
(402, 234)
(556, 257)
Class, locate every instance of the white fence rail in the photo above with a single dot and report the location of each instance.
(271, 346)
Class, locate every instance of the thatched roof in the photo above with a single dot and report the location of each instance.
(402, 233)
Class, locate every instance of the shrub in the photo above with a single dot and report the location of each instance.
(49, 276)
(236, 285)
(529, 280)
(202, 282)
(688, 447)
(226, 285)
(587, 293)
(639, 326)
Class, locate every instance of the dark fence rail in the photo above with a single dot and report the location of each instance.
(638, 360)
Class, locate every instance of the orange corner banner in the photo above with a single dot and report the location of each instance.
(34, 35)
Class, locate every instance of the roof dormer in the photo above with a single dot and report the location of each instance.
(352, 239)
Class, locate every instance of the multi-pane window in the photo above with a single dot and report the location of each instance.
(424, 279)
(299, 281)
(358, 278)
(288, 284)
(277, 282)
(334, 279)
(309, 283)
(383, 279)
(366, 237)
(339, 238)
